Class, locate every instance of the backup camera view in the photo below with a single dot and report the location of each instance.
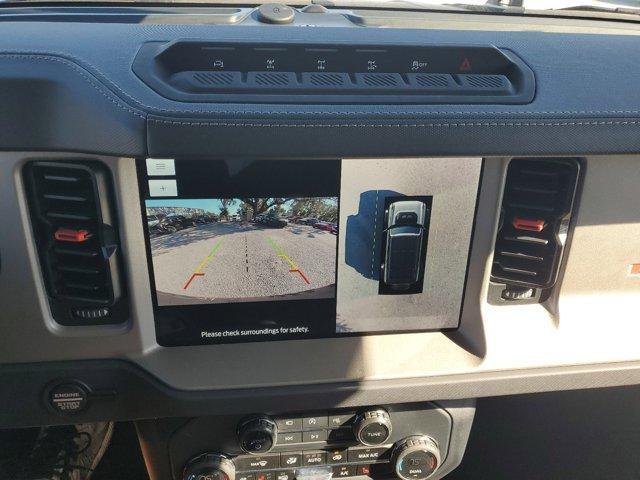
(243, 249)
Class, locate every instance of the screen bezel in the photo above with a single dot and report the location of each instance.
(328, 335)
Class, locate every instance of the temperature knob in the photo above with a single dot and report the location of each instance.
(257, 435)
(209, 466)
(416, 457)
(372, 427)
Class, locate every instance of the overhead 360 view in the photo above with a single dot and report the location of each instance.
(319, 240)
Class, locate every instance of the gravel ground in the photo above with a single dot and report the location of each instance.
(227, 261)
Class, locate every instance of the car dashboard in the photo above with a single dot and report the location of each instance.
(282, 238)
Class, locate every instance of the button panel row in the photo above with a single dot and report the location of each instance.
(340, 471)
(337, 436)
(308, 458)
(314, 422)
(335, 73)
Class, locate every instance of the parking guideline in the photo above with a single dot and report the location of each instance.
(293, 268)
(198, 271)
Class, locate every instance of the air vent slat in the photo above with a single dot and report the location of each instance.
(519, 271)
(76, 253)
(528, 189)
(68, 216)
(64, 198)
(527, 239)
(76, 269)
(61, 178)
(85, 299)
(538, 194)
(524, 256)
(530, 206)
(84, 286)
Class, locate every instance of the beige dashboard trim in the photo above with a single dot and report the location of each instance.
(581, 341)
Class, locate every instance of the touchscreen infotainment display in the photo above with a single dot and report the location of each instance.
(245, 249)
(253, 250)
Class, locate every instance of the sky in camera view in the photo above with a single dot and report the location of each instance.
(215, 205)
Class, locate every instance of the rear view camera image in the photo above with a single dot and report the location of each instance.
(229, 250)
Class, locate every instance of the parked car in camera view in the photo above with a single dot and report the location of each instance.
(308, 221)
(274, 221)
(327, 227)
(180, 221)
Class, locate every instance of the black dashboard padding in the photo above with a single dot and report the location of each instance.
(119, 390)
(586, 101)
(338, 137)
(51, 103)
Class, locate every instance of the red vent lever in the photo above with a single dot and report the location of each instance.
(528, 224)
(71, 235)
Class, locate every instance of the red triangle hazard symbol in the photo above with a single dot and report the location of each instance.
(465, 66)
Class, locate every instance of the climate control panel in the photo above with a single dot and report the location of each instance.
(379, 442)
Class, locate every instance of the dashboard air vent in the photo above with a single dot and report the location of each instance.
(380, 80)
(272, 79)
(536, 210)
(485, 81)
(77, 240)
(214, 78)
(327, 79)
(434, 80)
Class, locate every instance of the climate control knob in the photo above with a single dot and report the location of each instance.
(372, 427)
(416, 457)
(209, 466)
(257, 435)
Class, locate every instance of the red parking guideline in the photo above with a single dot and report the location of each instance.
(304, 277)
(191, 279)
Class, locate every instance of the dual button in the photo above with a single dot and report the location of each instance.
(304, 459)
(293, 460)
(288, 438)
(293, 424)
(316, 428)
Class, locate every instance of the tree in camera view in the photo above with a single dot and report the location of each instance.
(315, 207)
(224, 209)
(252, 207)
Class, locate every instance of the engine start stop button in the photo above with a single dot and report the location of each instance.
(68, 398)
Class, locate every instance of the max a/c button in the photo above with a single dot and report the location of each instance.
(370, 455)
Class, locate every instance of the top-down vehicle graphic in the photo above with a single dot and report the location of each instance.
(404, 242)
